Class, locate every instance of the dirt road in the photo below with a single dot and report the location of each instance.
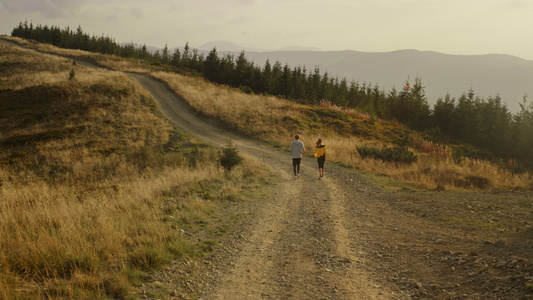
(345, 238)
(303, 245)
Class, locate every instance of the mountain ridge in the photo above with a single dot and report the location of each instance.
(226, 46)
(488, 75)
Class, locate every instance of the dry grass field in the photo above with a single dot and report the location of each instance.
(96, 187)
(276, 121)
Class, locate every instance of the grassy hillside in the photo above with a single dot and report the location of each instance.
(343, 131)
(276, 121)
(484, 125)
(96, 187)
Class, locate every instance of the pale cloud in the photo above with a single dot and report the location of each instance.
(517, 4)
(136, 12)
(47, 8)
(172, 7)
(454, 27)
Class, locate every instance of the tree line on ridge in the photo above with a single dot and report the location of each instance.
(486, 124)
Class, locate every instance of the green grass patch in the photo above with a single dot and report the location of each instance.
(397, 155)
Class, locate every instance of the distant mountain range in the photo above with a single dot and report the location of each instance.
(225, 46)
(487, 75)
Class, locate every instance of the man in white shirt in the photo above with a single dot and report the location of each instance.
(297, 149)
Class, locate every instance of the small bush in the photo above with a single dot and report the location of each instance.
(398, 155)
(246, 90)
(478, 182)
(229, 157)
(72, 74)
(468, 151)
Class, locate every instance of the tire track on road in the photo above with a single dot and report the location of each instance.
(300, 246)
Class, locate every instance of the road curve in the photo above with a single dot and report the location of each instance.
(306, 243)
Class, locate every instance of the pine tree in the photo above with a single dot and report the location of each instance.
(165, 56)
(285, 82)
(313, 86)
(419, 112)
(298, 83)
(243, 71)
(176, 58)
(144, 52)
(443, 113)
(212, 66)
(267, 80)
(276, 79)
(229, 157)
(522, 134)
(227, 68)
(186, 56)
(465, 125)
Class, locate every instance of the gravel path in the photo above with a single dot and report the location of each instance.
(303, 244)
(345, 238)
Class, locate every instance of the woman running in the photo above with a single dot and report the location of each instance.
(320, 154)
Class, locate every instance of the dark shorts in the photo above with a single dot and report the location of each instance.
(321, 160)
(296, 161)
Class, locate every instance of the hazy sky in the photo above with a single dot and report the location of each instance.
(447, 26)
